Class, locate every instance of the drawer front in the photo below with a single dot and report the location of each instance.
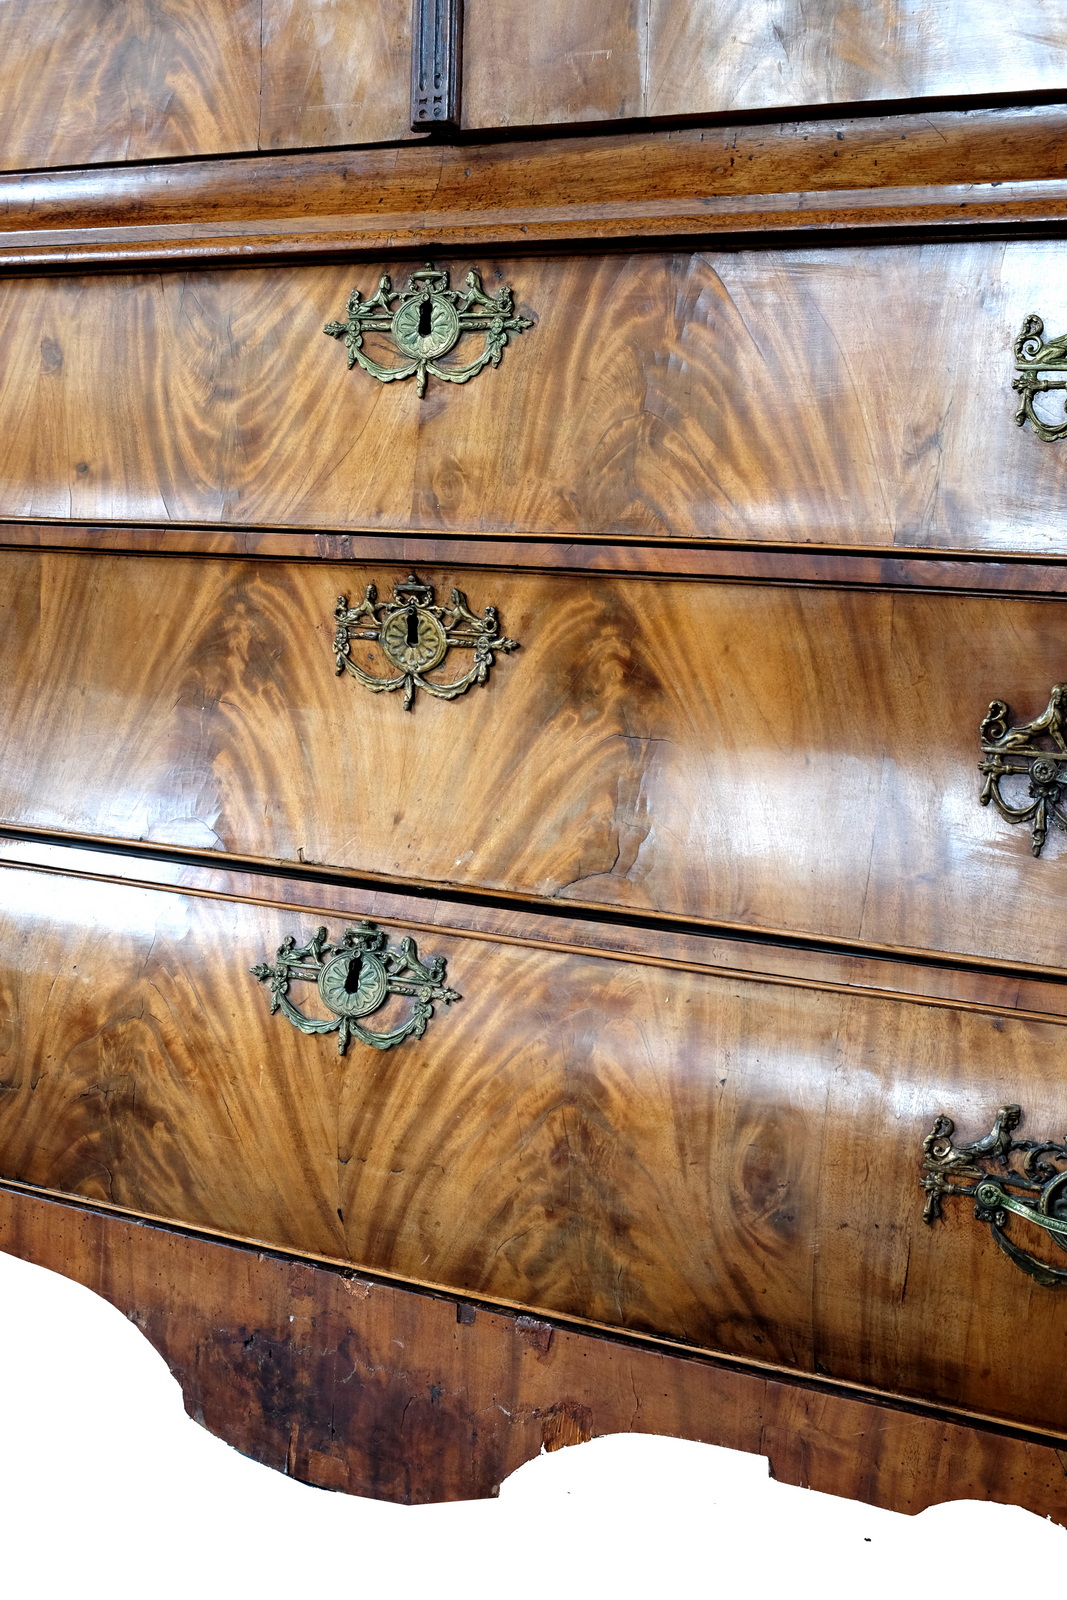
(793, 759)
(673, 59)
(96, 82)
(850, 396)
(719, 1159)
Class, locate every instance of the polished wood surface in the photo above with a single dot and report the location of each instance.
(705, 857)
(333, 73)
(797, 759)
(91, 81)
(707, 558)
(753, 396)
(715, 1159)
(670, 58)
(358, 1385)
(977, 986)
(1016, 144)
(1013, 210)
(943, 164)
(95, 82)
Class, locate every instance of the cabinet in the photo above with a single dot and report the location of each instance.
(559, 873)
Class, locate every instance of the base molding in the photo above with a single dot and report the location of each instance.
(403, 1395)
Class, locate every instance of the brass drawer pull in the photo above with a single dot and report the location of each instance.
(415, 635)
(355, 977)
(1034, 356)
(429, 321)
(1034, 750)
(1024, 1164)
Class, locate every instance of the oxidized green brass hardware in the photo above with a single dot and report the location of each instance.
(1036, 750)
(1033, 357)
(355, 977)
(428, 321)
(1037, 1167)
(415, 635)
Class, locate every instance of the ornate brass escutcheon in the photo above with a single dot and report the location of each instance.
(1034, 356)
(354, 978)
(1037, 1168)
(1035, 750)
(415, 635)
(428, 320)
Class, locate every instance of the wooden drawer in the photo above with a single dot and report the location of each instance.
(800, 759)
(846, 396)
(669, 59)
(653, 1143)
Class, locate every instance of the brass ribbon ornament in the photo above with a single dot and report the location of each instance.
(415, 635)
(1034, 357)
(426, 324)
(1035, 1168)
(1035, 750)
(354, 978)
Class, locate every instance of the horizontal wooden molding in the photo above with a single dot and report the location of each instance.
(498, 1379)
(909, 212)
(760, 955)
(60, 1201)
(1035, 576)
(1004, 170)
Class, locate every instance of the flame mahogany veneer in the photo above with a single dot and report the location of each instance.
(300, 1366)
(705, 856)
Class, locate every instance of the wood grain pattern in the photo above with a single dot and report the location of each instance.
(1022, 575)
(333, 72)
(733, 56)
(753, 397)
(708, 1158)
(1013, 210)
(798, 760)
(666, 58)
(940, 148)
(990, 991)
(86, 81)
(974, 988)
(573, 64)
(301, 1368)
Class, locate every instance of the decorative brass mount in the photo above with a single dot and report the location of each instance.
(1034, 357)
(355, 977)
(428, 321)
(1036, 750)
(415, 636)
(1037, 1167)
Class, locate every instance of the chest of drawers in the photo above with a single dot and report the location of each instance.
(533, 908)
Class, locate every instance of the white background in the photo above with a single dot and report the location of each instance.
(107, 1489)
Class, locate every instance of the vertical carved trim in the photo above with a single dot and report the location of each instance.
(436, 50)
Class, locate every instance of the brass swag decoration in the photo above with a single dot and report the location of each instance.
(415, 635)
(1036, 750)
(1036, 1167)
(355, 977)
(1033, 358)
(428, 322)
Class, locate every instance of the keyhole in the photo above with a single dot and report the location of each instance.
(425, 325)
(351, 983)
(413, 626)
